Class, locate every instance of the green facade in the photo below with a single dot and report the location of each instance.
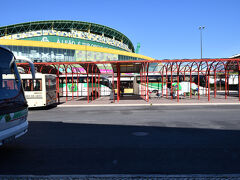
(67, 40)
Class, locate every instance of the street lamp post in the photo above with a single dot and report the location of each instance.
(201, 28)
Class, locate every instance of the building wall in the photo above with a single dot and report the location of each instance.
(58, 52)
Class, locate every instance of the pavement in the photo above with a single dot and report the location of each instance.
(134, 100)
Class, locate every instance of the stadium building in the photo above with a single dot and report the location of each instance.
(68, 41)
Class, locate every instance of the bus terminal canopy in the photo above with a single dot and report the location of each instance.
(151, 66)
(163, 68)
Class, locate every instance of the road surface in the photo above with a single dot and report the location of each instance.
(127, 140)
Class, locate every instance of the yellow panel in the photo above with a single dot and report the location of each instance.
(128, 91)
(69, 46)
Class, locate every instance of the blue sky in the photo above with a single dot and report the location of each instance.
(166, 29)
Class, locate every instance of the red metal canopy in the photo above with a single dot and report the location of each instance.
(163, 68)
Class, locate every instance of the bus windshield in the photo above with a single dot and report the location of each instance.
(10, 84)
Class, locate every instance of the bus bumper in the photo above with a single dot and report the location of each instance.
(12, 133)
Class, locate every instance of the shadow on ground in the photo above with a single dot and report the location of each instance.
(73, 148)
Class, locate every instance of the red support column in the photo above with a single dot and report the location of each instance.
(206, 85)
(191, 83)
(215, 84)
(209, 85)
(184, 80)
(177, 82)
(147, 83)
(171, 83)
(141, 79)
(77, 86)
(99, 85)
(225, 83)
(143, 86)
(41, 69)
(239, 82)
(72, 83)
(118, 82)
(113, 88)
(228, 82)
(96, 82)
(144, 81)
(140, 84)
(87, 84)
(58, 98)
(50, 71)
(166, 84)
(66, 84)
(57, 88)
(92, 83)
(198, 85)
(162, 83)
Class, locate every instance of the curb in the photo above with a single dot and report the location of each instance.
(129, 105)
(122, 176)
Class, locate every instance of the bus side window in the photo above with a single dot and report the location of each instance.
(37, 85)
(50, 84)
(27, 84)
(82, 80)
(89, 79)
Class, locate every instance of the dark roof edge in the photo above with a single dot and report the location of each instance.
(107, 30)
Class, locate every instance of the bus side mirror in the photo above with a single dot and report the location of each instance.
(32, 68)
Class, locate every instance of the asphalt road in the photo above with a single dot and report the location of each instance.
(127, 140)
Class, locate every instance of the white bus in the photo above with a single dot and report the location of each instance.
(133, 85)
(155, 85)
(41, 91)
(13, 105)
(78, 86)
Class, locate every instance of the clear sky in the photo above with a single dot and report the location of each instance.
(166, 29)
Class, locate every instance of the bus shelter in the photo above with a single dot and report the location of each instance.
(168, 71)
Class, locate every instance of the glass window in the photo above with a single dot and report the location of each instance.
(32, 85)
(9, 77)
(51, 84)
(37, 85)
(27, 84)
(82, 80)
